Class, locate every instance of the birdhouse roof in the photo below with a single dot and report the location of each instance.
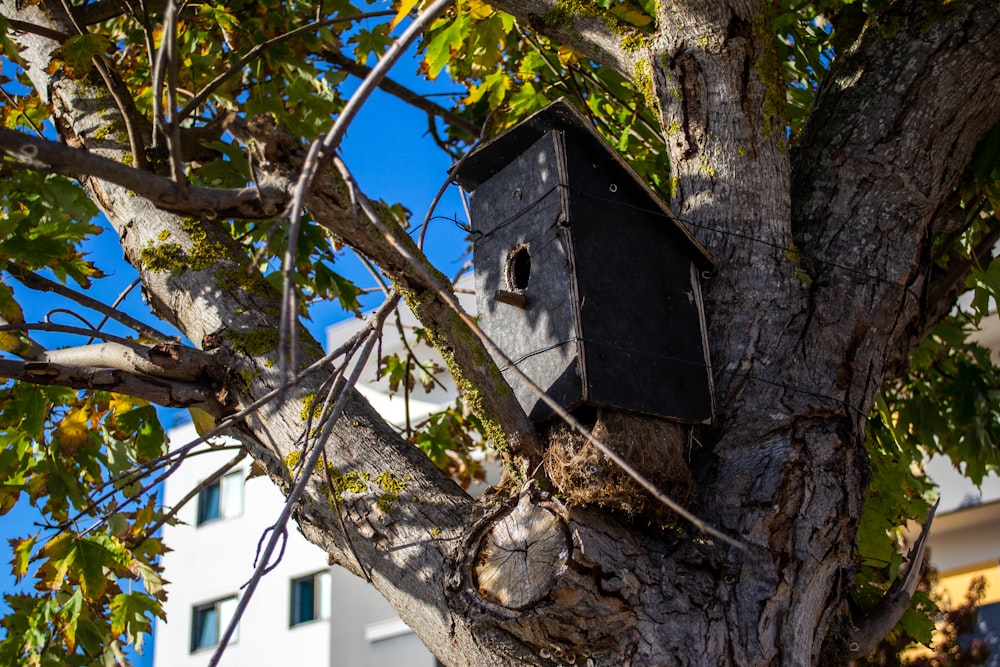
(492, 156)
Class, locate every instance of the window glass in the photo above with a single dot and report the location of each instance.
(227, 609)
(988, 631)
(209, 505)
(325, 594)
(205, 628)
(232, 502)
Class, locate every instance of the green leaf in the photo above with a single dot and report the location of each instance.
(23, 549)
(87, 562)
(7, 47)
(69, 617)
(78, 52)
(132, 614)
(443, 46)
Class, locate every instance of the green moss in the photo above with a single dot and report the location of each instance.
(310, 408)
(292, 461)
(203, 253)
(243, 279)
(387, 502)
(642, 78)
(634, 41)
(561, 16)
(163, 257)
(198, 256)
(351, 482)
(391, 483)
(707, 167)
(768, 68)
(253, 343)
(243, 378)
(673, 128)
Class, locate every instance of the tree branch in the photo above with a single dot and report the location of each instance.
(170, 393)
(169, 361)
(873, 628)
(37, 282)
(248, 203)
(591, 35)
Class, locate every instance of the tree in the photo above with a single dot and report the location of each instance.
(837, 159)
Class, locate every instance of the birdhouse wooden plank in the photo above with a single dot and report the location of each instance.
(584, 279)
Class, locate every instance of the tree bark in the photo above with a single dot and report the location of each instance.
(823, 254)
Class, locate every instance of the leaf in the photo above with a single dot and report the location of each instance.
(405, 7)
(132, 613)
(73, 430)
(7, 47)
(69, 617)
(85, 561)
(22, 549)
(203, 421)
(10, 310)
(443, 46)
(78, 51)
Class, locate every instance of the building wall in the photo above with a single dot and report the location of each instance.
(214, 560)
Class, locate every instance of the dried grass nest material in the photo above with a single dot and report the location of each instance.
(659, 449)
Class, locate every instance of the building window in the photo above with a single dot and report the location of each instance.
(311, 597)
(209, 621)
(222, 499)
(988, 632)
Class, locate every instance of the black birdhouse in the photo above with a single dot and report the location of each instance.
(584, 279)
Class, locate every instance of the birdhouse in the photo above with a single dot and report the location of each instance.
(584, 279)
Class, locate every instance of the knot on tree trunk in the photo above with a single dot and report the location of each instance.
(521, 556)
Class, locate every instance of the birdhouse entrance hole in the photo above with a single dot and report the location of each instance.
(518, 269)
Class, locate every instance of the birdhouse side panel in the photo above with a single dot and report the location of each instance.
(524, 283)
(642, 327)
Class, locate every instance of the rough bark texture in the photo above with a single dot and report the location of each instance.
(800, 343)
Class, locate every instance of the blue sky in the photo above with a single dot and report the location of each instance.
(391, 156)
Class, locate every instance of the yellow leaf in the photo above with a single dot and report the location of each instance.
(203, 422)
(478, 10)
(11, 341)
(72, 430)
(405, 7)
(569, 55)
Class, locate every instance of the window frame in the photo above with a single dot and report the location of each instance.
(322, 598)
(222, 610)
(227, 500)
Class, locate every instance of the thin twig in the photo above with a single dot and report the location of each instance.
(403, 93)
(119, 93)
(42, 284)
(62, 328)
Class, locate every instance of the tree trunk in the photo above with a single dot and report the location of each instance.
(822, 252)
